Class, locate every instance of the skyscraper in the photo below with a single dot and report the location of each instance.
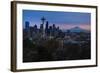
(26, 25)
(27, 28)
(53, 29)
(47, 24)
(46, 28)
(41, 28)
(54, 26)
(35, 28)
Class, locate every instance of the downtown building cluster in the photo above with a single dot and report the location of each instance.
(45, 31)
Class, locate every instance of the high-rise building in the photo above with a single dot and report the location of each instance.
(26, 25)
(50, 29)
(53, 30)
(41, 28)
(47, 28)
(47, 24)
(58, 28)
(54, 27)
(27, 28)
(35, 28)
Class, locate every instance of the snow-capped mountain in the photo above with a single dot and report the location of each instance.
(77, 29)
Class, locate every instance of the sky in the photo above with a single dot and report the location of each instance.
(65, 20)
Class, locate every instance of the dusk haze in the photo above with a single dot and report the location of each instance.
(65, 20)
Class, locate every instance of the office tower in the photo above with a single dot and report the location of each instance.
(27, 28)
(46, 28)
(35, 28)
(41, 28)
(26, 25)
(47, 24)
(53, 30)
(54, 27)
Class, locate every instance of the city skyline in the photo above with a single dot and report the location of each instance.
(56, 36)
(65, 20)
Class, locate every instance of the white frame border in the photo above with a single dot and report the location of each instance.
(35, 65)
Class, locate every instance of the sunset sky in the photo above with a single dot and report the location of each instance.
(65, 20)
